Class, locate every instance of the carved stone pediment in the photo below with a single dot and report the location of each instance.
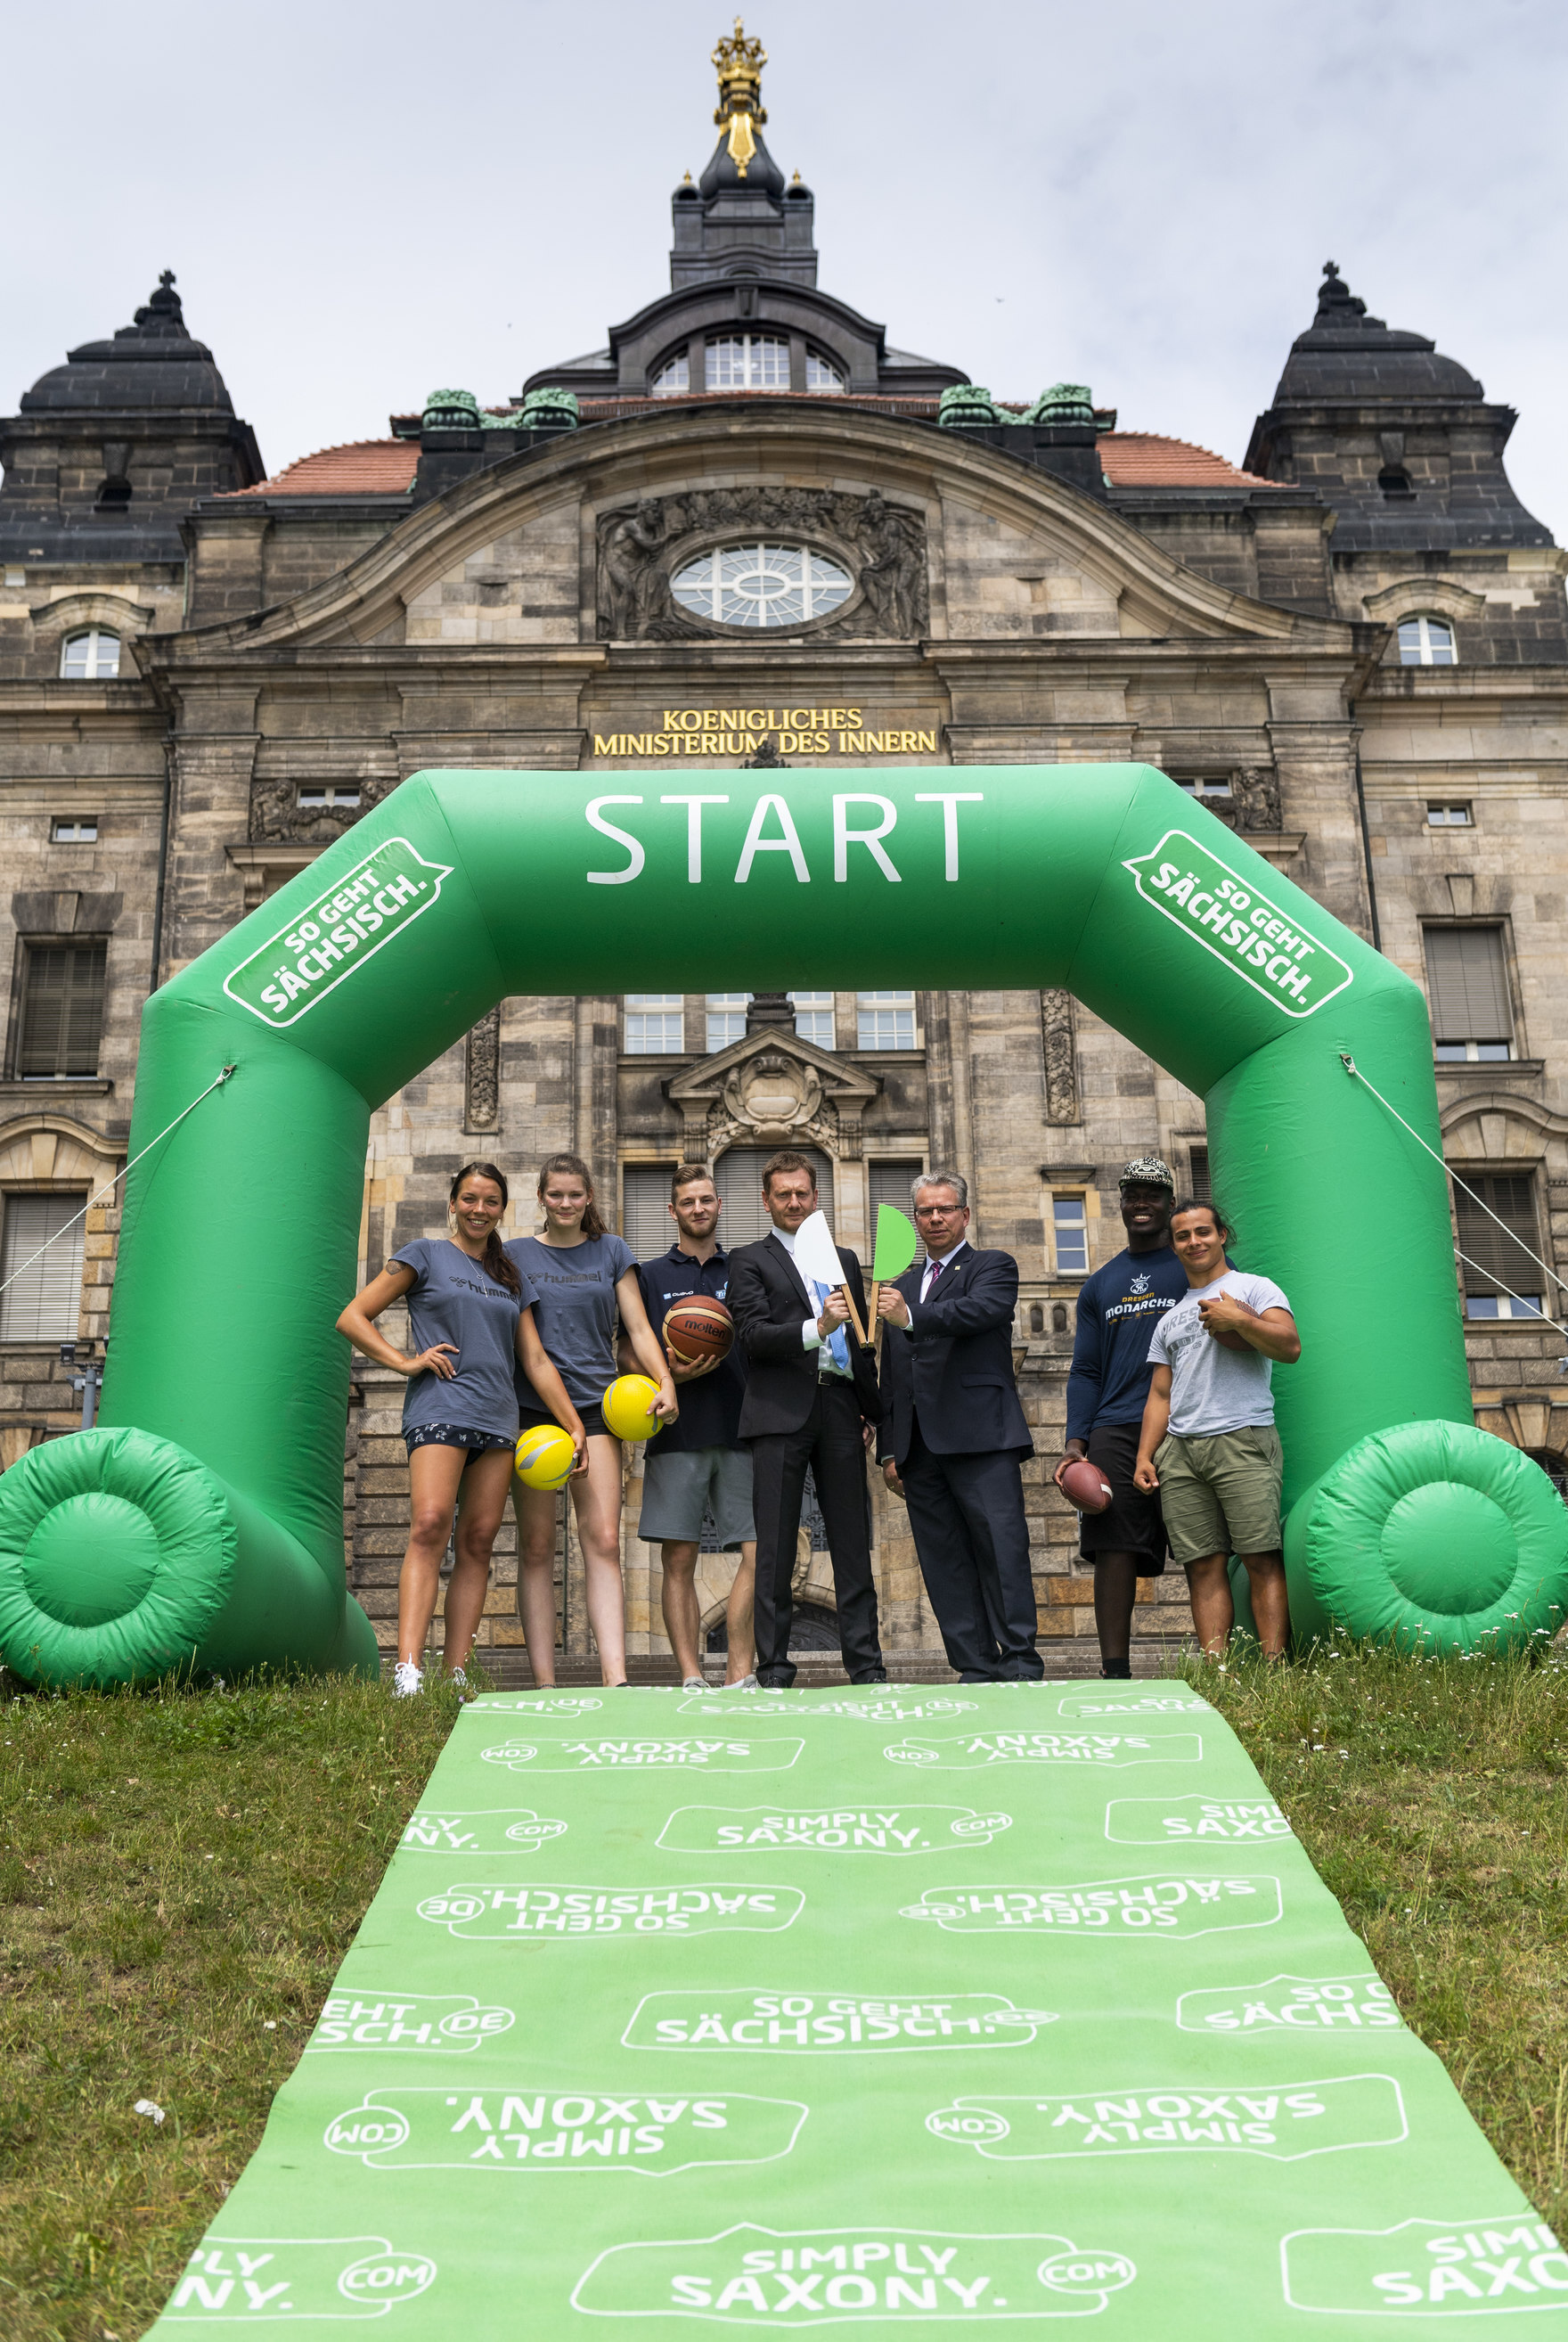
(641, 546)
(771, 1090)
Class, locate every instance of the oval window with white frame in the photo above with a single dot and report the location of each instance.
(761, 585)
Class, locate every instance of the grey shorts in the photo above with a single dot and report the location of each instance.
(678, 1488)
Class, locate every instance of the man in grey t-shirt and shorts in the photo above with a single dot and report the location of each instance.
(1208, 1442)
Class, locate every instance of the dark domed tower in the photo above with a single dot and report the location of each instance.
(111, 449)
(1405, 448)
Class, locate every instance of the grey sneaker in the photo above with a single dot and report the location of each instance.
(695, 1682)
(408, 1681)
(746, 1683)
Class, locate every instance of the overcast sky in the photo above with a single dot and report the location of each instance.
(365, 201)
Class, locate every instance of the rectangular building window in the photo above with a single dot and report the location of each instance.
(330, 796)
(889, 1184)
(655, 1023)
(813, 1017)
(1449, 816)
(726, 1013)
(43, 1303)
(1198, 1171)
(1467, 983)
(738, 1177)
(1069, 1226)
(886, 1020)
(645, 1221)
(1502, 1256)
(74, 830)
(62, 1017)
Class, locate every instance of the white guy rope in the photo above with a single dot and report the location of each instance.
(115, 1182)
(1449, 1173)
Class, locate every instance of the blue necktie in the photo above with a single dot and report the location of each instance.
(837, 1342)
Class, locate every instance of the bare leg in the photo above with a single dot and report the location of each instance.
(678, 1601)
(434, 1475)
(535, 1513)
(742, 1656)
(1116, 1592)
(597, 1499)
(480, 1502)
(1213, 1612)
(1271, 1603)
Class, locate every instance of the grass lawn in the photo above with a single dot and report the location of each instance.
(180, 1875)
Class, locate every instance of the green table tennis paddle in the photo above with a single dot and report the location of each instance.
(896, 1246)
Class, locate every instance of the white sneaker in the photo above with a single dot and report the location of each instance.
(458, 1680)
(695, 1682)
(746, 1683)
(408, 1681)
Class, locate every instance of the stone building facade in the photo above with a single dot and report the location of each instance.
(749, 533)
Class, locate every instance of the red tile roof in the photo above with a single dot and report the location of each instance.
(384, 467)
(1141, 459)
(364, 467)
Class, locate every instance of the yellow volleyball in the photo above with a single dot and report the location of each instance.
(544, 1455)
(627, 1406)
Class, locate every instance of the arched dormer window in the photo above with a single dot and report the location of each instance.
(90, 657)
(673, 378)
(1427, 641)
(821, 374)
(747, 362)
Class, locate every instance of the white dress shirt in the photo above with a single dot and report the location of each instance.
(809, 1338)
(934, 1263)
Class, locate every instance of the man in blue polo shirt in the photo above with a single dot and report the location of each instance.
(697, 1461)
(1118, 1309)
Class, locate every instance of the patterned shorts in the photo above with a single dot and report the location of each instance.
(455, 1435)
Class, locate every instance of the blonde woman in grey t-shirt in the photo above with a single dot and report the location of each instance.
(584, 1278)
(1208, 1442)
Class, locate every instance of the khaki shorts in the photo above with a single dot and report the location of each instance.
(1221, 1494)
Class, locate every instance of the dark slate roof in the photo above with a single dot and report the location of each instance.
(153, 362)
(1346, 357)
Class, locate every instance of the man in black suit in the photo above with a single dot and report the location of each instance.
(953, 1436)
(810, 1388)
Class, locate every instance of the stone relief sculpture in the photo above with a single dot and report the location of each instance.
(634, 574)
(1256, 791)
(482, 1074)
(1061, 1057)
(277, 817)
(640, 547)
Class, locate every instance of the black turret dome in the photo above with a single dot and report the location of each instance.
(1344, 355)
(153, 362)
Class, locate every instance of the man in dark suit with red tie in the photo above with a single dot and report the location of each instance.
(953, 1437)
(811, 1394)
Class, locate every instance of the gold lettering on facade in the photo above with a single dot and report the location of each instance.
(688, 732)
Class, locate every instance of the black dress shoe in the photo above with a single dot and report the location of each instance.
(774, 1678)
(1116, 1671)
(872, 1675)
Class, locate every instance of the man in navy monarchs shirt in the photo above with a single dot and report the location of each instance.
(1118, 1309)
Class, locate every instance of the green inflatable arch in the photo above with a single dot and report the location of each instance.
(202, 1523)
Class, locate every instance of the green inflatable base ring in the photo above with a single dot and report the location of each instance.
(122, 1558)
(1431, 1536)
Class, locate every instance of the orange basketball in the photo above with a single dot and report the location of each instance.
(698, 1329)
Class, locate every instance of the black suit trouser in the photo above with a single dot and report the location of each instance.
(830, 1442)
(971, 1541)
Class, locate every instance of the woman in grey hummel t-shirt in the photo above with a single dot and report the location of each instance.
(471, 1314)
(584, 1277)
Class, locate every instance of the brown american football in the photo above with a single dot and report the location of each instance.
(1085, 1487)
(1235, 1341)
